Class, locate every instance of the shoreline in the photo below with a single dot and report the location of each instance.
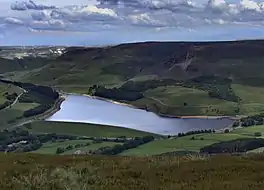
(56, 107)
(158, 114)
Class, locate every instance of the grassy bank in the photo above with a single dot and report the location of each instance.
(26, 171)
(82, 129)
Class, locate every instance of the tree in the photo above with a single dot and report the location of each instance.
(235, 124)
(257, 134)
(60, 150)
(226, 131)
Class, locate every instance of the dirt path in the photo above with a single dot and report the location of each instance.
(157, 100)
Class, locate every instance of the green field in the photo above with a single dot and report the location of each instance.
(80, 129)
(14, 112)
(249, 131)
(180, 144)
(200, 141)
(91, 147)
(51, 147)
(159, 146)
(171, 99)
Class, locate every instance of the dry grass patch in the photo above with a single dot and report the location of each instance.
(22, 171)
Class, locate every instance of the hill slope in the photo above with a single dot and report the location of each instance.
(175, 78)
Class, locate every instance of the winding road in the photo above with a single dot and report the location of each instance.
(15, 101)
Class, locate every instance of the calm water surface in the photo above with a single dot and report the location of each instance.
(89, 110)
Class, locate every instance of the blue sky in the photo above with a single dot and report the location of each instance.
(106, 22)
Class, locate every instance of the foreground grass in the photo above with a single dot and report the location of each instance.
(81, 129)
(26, 171)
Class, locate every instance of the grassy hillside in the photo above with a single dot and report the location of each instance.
(25, 64)
(213, 78)
(27, 171)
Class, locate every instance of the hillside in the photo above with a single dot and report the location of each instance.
(32, 171)
(172, 78)
(241, 60)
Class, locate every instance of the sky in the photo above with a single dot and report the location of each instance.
(109, 22)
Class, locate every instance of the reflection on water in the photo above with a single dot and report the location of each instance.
(89, 110)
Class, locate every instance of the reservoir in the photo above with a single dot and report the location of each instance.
(84, 109)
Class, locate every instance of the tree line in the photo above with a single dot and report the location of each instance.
(119, 148)
(234, 146)
(215, 86)
(20, 140)
(114, 93)
(37, 110)
(131, 90)
(43, 95)
(60, 150)
(196, 132)
(250, 121)
(107, 150)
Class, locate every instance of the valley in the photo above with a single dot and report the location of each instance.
(185, 95)
(173, 115)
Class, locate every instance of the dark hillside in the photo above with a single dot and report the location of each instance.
(241, 60)
(25, 64)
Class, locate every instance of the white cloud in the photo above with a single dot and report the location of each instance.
(144, 19)
(148, 13)
(11, 20)
(41, 15)
(25, 5)
(92, 9)
(50, 24)
(110, 15)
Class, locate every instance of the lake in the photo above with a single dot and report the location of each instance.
(85, 109)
